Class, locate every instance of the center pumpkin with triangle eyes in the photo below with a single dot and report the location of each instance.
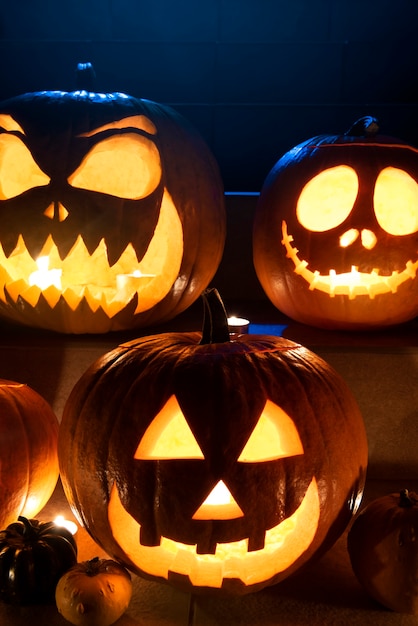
(209, 463)
(216, 506)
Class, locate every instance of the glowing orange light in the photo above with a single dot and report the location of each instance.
(43, 277)
(60, 521)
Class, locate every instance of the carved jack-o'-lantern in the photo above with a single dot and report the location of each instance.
(336, 230)
(212, 464)
(111, 209)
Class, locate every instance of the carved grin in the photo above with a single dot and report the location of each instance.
(89, 277)
(231, 560)
(352, 283)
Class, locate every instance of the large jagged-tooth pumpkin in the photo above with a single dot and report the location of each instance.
(111, 211)
(212, 464)
(336, 230)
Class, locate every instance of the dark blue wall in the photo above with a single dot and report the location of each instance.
(254, 76)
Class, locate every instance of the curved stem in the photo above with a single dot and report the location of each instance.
(215, 319)
(366, 126)
(92, 566)
(29, 530)
(85, 76)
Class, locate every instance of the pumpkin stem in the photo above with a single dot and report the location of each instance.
(92, 566)
(215, 319)
(366, 126)
(30, 530)
(407, 499)
(85, 77)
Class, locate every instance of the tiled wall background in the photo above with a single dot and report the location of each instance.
(255, 77)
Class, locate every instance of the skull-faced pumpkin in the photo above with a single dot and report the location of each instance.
(213, 466)
(336, 230)
(111, 210)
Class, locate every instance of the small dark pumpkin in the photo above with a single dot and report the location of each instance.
(33, 557)
(383, 549)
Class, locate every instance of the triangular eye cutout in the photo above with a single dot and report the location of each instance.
(275, 436)
(168, 436)
(220, 504)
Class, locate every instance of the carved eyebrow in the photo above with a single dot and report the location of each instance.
(9, 124)
(134, 121)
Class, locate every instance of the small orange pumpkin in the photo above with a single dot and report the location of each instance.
(383, 549)
(94, 593)
(336, 230)
(212, 464)
(28, 452)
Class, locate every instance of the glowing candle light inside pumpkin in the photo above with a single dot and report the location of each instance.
(66, 523)
(44, 277)
(127, 285)
(220, 504)
(132, 280)
(219, 495)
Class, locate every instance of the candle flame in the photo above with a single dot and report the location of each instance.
(66, 523)
(237, 321)
(44, 277)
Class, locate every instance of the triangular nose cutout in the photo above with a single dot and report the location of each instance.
(57, 211)
(220, 504)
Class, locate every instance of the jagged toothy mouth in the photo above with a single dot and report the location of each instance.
(352, 283)
(84, 276)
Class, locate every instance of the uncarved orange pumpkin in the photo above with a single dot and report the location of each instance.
(336, 230)
(28, 452)
(211, 464)
(94, 593)
(111, 211)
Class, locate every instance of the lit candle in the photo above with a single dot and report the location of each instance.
(238, 326)
(128, 284)
(125, 281)
(44, 277)
(66, 523)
